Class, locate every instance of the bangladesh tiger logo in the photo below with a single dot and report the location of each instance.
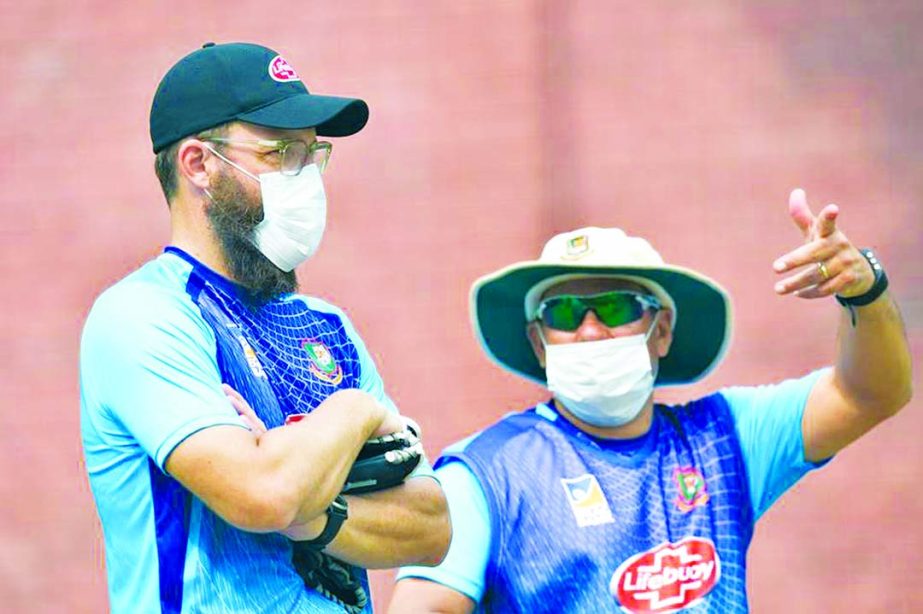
(322, 363)
(691, 487)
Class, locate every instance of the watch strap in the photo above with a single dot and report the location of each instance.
(878, 286)
(337, 513)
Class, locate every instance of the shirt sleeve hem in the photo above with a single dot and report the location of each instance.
(180, 434)
(456, 584)
(424, 470)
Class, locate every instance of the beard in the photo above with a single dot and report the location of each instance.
(233, 215)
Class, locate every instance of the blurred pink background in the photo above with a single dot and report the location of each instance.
(494, 125)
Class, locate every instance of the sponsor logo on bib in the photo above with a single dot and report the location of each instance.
(587, 500)
(667, 578)
(250, 356)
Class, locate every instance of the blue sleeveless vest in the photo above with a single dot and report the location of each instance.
(283, 359)
(659, 524)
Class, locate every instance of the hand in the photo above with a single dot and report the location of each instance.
(845, 271)
(246, 412)
(392, 423)
(353, 399)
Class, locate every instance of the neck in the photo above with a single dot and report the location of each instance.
(636, 428)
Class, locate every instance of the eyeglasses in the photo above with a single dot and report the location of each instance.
(615, 308)
(294, 154)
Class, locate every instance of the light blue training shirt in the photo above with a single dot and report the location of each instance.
(150, 376)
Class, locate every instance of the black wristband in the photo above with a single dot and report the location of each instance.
(337, 513)
(878, 287)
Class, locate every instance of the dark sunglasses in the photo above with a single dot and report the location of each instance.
(616, 308)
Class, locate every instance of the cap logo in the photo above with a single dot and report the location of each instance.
(280, 70)
(577, 247)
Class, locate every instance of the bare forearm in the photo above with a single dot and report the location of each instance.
(405, 525)
(316, 465)
(873, 359)
(286, 475)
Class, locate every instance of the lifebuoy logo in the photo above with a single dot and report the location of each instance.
(282, 71)
(668, 577)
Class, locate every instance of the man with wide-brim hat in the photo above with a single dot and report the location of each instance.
(221, 410)
(601, 499)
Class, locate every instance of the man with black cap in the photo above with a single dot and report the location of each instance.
(185, 362)
(601, 500)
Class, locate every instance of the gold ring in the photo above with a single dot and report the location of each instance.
(823, 270)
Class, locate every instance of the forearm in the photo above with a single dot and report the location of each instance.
(405, 525)
(286, 475)
(873, 364)
(314, 456)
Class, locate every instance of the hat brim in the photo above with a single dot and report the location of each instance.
(330, 115)
(700, 336)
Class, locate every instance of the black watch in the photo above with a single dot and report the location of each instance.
(337, 513)
(878, 287)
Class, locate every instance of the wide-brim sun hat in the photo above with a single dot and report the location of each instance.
(242, 81)
(503, 302)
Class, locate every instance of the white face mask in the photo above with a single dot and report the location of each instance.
(294, 215)
(604, 383)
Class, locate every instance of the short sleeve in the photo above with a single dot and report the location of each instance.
(768, 424)
(465, 565)
(148, 366)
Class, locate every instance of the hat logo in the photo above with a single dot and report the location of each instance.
(280, 70)
(577, 247)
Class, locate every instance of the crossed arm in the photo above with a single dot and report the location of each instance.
(285, 478)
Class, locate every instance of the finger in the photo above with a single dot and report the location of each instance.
(392, 423)
(243, 408)
(806, 278)
(809, 253)
(825, 289)
(237, 402)
(253, 421)
(255, 425)
(826, 221)
(231, 392)
(800, 212)
(412, 425)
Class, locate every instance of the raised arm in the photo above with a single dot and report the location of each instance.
(871, 378)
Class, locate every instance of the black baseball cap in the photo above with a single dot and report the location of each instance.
(247, 82)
